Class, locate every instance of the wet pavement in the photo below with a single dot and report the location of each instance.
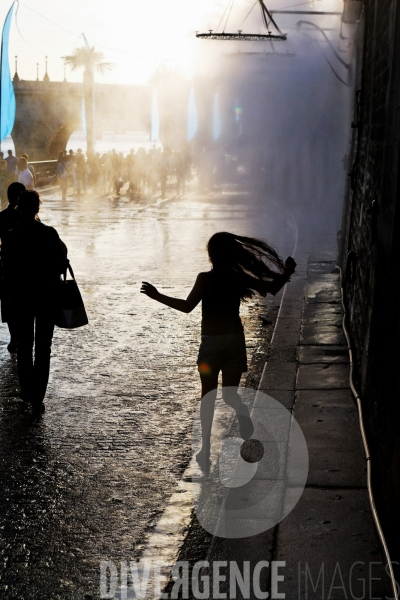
(90, 479)
(327, 546)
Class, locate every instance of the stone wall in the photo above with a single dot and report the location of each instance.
(370, 246)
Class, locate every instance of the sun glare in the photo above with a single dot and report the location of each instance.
(135, 35)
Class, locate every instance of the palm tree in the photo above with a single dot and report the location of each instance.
(90, 60)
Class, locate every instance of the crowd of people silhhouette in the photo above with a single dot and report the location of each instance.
(32, 260)
(143, 171)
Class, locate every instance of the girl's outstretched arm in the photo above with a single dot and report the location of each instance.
(185, 306)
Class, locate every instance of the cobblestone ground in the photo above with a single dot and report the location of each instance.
(89, 480)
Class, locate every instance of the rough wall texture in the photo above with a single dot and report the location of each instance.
(370, 233)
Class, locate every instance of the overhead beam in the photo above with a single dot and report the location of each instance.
(250, 37)
(305, 12)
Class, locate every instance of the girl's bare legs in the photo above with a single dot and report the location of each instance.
(230, 383)
(231, 380)
(209, 384)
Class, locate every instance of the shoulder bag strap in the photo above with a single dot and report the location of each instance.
(68, 268)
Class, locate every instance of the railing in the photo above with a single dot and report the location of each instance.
(45, 171)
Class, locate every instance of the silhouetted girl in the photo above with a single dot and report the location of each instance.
(239, 270)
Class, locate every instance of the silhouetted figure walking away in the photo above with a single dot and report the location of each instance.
(11, 162)
(63, 174)
(34, 258)
(238, 271)
(80, 169)
(9, 218)
(6, 178)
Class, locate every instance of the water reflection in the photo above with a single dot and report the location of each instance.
(115, 437)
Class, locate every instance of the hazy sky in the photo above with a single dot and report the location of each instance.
(136, 35)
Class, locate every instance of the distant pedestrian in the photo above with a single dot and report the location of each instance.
(33, 259)
(6, 178)
(163, 171)
(11, 162)
(81, 172)
(238, 271)
(9, 218)
(131, 168)
(181, 172)
(63, 174)
(72, 170)
(154, 157)
(116, 166)
(31, 168)
(94, 166)
(25, 176)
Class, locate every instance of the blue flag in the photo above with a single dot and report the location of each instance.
(7, 96)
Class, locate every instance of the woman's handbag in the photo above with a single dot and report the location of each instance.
(72, 311)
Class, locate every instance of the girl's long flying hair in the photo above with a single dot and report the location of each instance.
(244, 255)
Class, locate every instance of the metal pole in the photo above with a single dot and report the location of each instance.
(268, 15)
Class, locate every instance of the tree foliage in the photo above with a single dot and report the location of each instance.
(89, 59)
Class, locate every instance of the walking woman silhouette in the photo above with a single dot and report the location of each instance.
(33, 259)
(239, 269)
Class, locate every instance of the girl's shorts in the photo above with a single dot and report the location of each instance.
(222, 352)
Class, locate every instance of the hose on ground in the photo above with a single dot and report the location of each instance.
(357, 399)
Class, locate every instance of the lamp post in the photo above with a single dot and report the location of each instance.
(46, 75)
(37, 71)
(16, 76)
